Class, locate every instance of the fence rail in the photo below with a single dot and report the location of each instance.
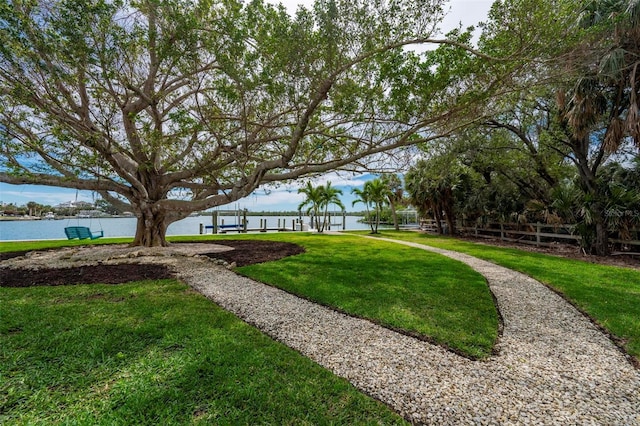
(538, 234)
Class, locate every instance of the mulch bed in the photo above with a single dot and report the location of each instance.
(102, 274)
(250, 252)
(247, 252)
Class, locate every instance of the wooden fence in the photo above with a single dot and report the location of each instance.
(538, 234)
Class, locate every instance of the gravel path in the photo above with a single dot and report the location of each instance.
(552, 367)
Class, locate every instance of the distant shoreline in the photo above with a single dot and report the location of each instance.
(20, 218)
(206, 214)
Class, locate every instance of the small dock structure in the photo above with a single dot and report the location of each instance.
(335, 219)
(240, 224)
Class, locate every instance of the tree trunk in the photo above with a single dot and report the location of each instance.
(378, 212)
(594, 190)
(602, 240)
(437, 215)
(601, 247)
(317, 217)
(371, 220)
(448, 203)
(451, 223)
(151, 229)
(324, 219)
(450, 218)
(396, 225)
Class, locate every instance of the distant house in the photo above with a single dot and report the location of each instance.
(75, 205)
(89, 213)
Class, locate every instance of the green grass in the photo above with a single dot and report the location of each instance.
(399, 287)
(608, 294)
(156, 353)
(146, 352)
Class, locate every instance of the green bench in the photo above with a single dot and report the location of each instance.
(81, 233)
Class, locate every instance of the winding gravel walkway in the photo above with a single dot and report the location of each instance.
(552, 367)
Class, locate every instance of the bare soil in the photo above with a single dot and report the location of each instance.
(93, 274)
(250, 252)
(244, 253)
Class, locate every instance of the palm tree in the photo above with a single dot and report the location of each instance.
(313, 201)
(419, 195)
(33, 208)
(379, 193)
(604, 100)
(396, 195)
(363, 197)
(432, 189)
(318, 200)
(375, 193)
(330, 195)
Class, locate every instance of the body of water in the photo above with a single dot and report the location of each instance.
(126, 226)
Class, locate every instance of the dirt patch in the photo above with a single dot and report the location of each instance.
(93, 274)
(245, 252)
(250, 252)
(11, 255)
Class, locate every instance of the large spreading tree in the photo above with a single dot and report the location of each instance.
(599, 112)
(176, 106)
(596, 116)
(574, 113)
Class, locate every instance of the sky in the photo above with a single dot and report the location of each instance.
(284, 197)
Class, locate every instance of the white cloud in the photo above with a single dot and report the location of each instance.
(338, 179)
(285, 197)
(469, 12)
(292, 5)
(260, 199)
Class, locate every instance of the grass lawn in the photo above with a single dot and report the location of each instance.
(157, 353)
(396, 286)
(609, 294)
(404, 288)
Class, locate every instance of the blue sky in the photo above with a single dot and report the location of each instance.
(286, 197)
(46, 195)
(282, 198)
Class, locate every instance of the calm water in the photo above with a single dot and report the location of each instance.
(126, 227)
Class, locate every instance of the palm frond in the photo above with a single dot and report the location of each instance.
(614, 136)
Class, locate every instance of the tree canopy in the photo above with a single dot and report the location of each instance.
(176, 106)
(563, 146)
